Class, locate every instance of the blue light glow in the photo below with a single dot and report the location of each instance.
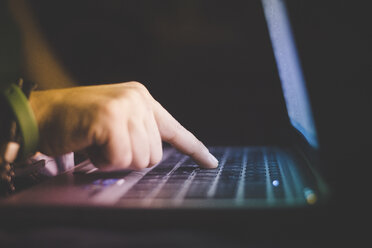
(105, 182)
(275, 183)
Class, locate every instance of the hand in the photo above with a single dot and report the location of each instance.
(118, 125)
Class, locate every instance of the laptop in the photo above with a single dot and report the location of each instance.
(251, 177)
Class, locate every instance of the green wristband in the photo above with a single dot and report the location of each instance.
(25, 119)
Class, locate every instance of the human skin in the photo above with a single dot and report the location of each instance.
(119, 126)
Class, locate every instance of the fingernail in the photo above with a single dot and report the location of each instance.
(213, 160)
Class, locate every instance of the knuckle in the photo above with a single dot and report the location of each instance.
(108, 109)
(135, 84)
(173, 136)
(157, 157)
(121, 162)
(196, 148)
(126, 160)
(138, 93)
(139, 86)
(175, 132)
(140, 163)
(136, 98)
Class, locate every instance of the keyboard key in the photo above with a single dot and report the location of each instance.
(226, 191)
(169, 190)
(255, 190)
(198, 190)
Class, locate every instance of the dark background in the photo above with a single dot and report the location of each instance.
(211, 65)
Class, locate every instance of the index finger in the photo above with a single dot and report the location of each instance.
(173, 132)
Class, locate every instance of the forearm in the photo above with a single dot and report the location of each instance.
(40, 63)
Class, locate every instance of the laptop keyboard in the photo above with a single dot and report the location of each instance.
(243, 173)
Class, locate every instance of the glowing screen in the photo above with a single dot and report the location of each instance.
(289, 68)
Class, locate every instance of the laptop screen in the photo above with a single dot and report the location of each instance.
(289, 68)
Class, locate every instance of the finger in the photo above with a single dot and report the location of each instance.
(174, 133)
(114, 152)
(140, 145)
(156, 149)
